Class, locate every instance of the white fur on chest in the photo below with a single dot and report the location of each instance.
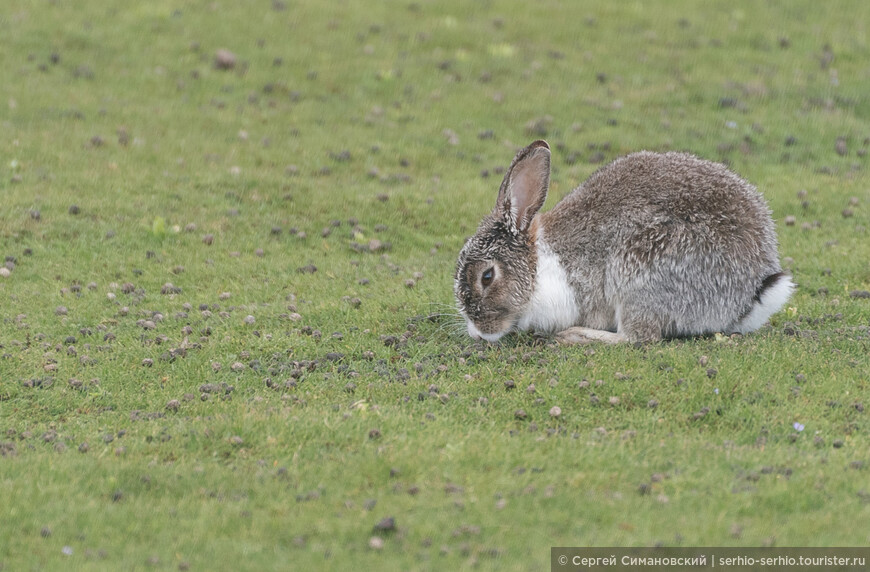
(553, 307)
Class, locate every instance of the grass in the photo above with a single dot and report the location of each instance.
(400, 115)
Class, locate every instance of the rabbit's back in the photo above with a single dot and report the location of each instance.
(672, 235)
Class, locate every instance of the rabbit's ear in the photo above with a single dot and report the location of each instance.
(525, 185)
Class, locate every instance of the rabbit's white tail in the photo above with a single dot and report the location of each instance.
(770, 298)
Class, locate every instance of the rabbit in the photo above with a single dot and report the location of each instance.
(652, 246)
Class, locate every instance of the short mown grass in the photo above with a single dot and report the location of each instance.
(181, 389)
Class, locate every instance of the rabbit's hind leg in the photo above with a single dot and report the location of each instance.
(632, 326)
(637, 325)
(582, 336)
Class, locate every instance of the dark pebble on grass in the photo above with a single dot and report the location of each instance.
(7, 449)
(74, 209)
(451, 488)
(385, 525)
(374, 434)
(509, 384)
(308, 269)
(864, 294)
(520, 414)
(838, 444)
(726, 102)
(45, 532)
(117, 496)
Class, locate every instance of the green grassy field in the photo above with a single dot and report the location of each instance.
(180, 389)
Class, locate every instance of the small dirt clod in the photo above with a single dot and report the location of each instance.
(225, 60)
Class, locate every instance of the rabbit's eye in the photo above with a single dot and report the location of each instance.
(486, 277)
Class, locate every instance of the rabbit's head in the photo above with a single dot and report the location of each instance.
(495, 273)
